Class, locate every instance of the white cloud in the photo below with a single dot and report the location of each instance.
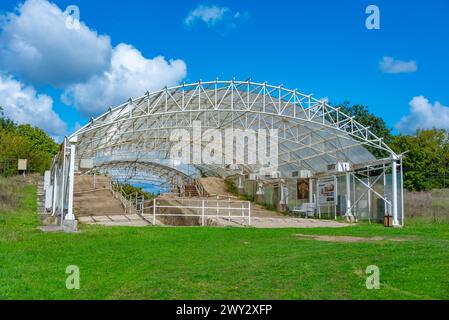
(130, 74)
(424, 115)
(209, 15)
(36, 45)
(391, 65)
(38, 48)
(22, 104)
(213, 16)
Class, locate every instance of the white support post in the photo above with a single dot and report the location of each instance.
(336, 197)
(63, 185)
(202, 214)
(394, 191)
(354, 195)
(70, 215)
(243, 213)
(386, 205)
(310, 190)
(154, 211)
(249, 213)
(317, 199)
(369, 196)
(402, 194)
(240, 185)
(55, 190)
(348, 196)
(281, 187)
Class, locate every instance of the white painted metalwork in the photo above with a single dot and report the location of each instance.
(311, 131)
(238, 212)
(70, 214)
(133, 139)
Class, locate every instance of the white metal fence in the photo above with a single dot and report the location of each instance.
(205, 210)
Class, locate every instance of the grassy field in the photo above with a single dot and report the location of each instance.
(218, 263)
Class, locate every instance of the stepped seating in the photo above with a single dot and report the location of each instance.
(95, 199)
(191, 191)
(40, 196)
(214, 186)
(45, 218)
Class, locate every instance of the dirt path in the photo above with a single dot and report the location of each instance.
(98, 206)
(128, 220)
(260, 216)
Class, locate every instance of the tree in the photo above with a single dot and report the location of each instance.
(38, 138)
(24, 142)
(426, 163)
(6, 123)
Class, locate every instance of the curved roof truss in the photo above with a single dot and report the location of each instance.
(144, 171)
(312, 134)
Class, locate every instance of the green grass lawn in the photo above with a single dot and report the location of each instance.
(217, 263)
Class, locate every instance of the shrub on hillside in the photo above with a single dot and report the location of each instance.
(10, 192)
(24, 142)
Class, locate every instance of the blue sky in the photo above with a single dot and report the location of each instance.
(320, 47)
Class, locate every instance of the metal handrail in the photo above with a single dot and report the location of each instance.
(203, 206)
(128, 203)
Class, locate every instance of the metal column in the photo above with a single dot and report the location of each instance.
(70, 215)
(348, 196)
(310, 190)
(394, 191)
(63, 184)
(402, 194)
(55, 191)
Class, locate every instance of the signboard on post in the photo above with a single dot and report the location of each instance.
(22, 165)
(326, 191)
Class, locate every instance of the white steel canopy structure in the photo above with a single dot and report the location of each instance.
(135, 141)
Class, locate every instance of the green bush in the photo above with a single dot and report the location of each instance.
(127, 190)
(24, 142)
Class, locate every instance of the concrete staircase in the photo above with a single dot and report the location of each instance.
(47, 221)
(94, 203)
(40, 196)
(191, 191)
(92, 197)
(214, 186)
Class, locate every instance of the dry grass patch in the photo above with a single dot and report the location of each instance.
(430, 206)
(10, 192)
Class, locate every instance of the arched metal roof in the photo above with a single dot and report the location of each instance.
(143, 171)
(311, 133)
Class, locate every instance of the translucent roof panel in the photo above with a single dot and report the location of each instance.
(311, 134)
